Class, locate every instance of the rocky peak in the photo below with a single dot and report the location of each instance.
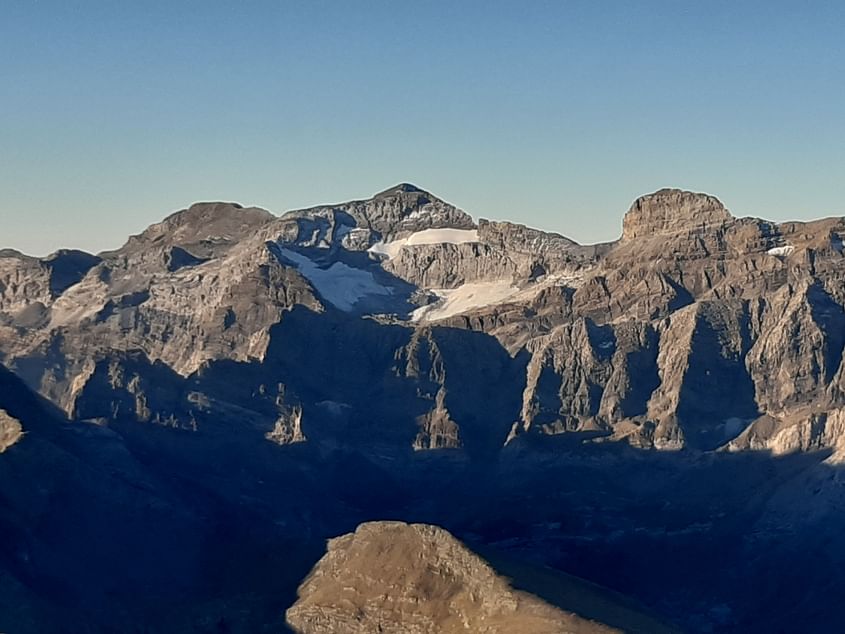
(450, 588)
(389, 215)
(394, 577)
(671, 211)
(406, 208)
(204, 221)
(401, 188)
(14, 254)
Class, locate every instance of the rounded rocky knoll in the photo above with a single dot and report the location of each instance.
(393, 577)
(201, 226)
(671, 210)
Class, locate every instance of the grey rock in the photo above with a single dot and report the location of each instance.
(681, 334)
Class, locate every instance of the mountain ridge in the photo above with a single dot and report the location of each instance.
(218, 276)
(675, 393)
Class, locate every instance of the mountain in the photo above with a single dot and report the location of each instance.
(396, 577)
(666, 338)
(623, 412)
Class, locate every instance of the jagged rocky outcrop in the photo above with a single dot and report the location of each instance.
(28, 285)
(10, 430)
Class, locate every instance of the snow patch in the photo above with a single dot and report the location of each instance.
(340, 284)
(426, 236)
(454, 301)
(572, 279)
(81, 301)
(781, 251)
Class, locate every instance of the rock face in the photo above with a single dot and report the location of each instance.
(394, 577)
(10, 430)
(671, 211)
(668, 338)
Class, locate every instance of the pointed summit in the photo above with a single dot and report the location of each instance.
(401, 188)
(390, 214)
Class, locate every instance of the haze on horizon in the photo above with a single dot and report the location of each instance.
(554, 114)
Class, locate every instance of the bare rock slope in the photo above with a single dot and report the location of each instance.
(394, 577)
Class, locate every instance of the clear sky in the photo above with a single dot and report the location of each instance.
(556, 114)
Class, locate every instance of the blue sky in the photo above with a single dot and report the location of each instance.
(555, 114)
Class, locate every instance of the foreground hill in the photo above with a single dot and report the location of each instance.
(393, 577)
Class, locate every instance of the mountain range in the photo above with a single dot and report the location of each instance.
(186, 420)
